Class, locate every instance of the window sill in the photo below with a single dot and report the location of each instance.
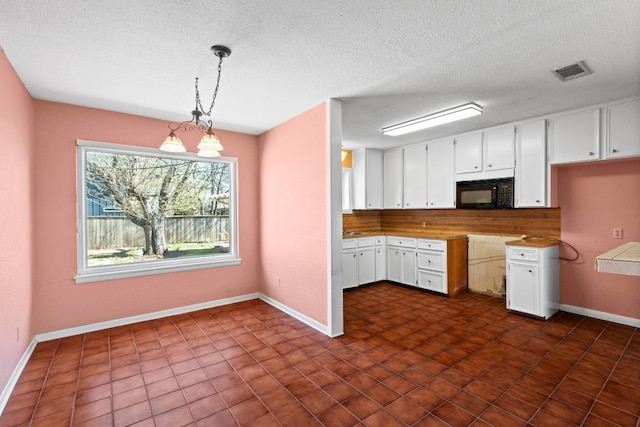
(97, 275)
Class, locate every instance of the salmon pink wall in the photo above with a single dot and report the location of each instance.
(16, 204)
(595, 198)
(293, 213)
(60, 303)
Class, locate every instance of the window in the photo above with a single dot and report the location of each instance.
(142, 211)
(347, 191)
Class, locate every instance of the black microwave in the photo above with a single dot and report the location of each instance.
(485, 194)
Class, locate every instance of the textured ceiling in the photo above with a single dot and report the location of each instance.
(388, 61)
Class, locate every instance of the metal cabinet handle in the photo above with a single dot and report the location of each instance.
(537, 201)
(490, 165)
(591, 153)
(475, 167)
(614, 151)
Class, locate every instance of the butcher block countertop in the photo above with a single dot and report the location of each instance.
(431, 234)
(533, 242)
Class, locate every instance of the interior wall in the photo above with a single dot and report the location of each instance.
(594, 198)
(59, 303)
(16, 228)
(294, 239)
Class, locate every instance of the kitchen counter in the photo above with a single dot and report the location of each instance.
(533, 242)
(624, 259)
(431, 234)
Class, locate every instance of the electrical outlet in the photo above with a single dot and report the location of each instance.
(617, 233)
(424, 225)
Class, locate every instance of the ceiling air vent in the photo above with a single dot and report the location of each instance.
(572, 71)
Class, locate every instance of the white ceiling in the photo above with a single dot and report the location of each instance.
(388, 61)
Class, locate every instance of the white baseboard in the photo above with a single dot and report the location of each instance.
(47, 336)
(615, 318)
(15, 375)
(296, 314)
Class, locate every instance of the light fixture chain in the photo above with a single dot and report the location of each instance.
(215, 92)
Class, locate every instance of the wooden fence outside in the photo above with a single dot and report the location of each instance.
(119, 232)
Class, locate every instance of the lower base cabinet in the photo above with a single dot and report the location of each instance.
(438, 265)
(532, 279)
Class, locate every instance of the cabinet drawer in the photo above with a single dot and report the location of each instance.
(365, 242)
(431, 260)
(434, 245)
(432, 281)
(405, 242)
(523, 254)
(349, 243)
(380, 240)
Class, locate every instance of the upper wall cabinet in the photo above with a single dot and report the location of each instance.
(482, 155)
(393, 187)
(367, 179)
(531, 165)
(441, 183)
(622, 124)
(415, 177)
(499, 148)
(574, 137)
(469, 153)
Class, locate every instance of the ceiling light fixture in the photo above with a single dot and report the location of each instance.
(441, 117)
(209, 145)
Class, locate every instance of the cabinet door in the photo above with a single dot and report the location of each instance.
(347, 191)
(409, 267)
(522, 288)
(374, 178)
(367, 179)
(349, 269)
(623, 130)
(499, 149)
(381, 263)
(531, 167)
(441, 176)
(415, 177)
(469, 153)
(575, 137)
(394, 264)
(366, 265)
(392, 192)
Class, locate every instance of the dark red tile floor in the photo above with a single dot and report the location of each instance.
(406, 358)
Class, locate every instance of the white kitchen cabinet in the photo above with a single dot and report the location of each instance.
(367, 168)
(349, 264)
(432, 265)
(532, 277)
(394, 264)
(415, 177)
(468, 153)
(574, 137)
(531, 165)
(381, 258)
(366, 265)
(622, 130)
(347, 191)
(401, 260)
(499, 149)
(441, 182)
(485, 155)
(393, 186)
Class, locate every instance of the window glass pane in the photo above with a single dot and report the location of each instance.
(142, 209)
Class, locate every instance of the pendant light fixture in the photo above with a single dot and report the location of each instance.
(209, 145)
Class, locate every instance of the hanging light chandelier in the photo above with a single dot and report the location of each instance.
(209, 145)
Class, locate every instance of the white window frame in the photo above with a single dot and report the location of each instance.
(88, 274)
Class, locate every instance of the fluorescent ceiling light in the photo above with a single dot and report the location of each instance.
(441, 117)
